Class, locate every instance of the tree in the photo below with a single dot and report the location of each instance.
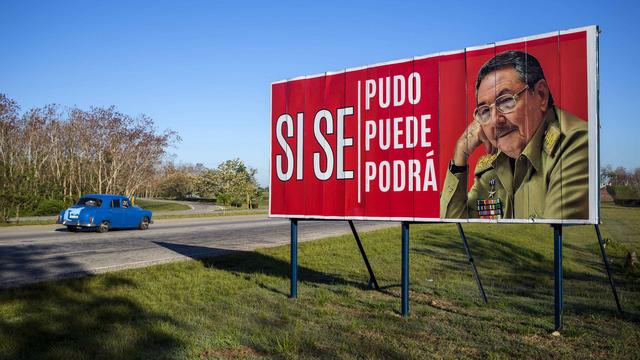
(177, 185)
(233, 182)
(207, 185)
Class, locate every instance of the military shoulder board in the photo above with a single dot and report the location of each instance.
(485, 163)
(551, 139)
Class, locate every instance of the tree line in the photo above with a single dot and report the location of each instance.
(50, 156)
(230, 183)
(622, 184)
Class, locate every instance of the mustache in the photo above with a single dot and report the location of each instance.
(504, 130)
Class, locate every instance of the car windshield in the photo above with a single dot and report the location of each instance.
(89, 202)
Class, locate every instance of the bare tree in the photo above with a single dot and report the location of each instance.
(50, 154)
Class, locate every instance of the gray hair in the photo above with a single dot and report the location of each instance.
(527, 67)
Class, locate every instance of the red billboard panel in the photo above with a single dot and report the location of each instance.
(505, 132)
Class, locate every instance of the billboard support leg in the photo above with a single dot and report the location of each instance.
(473, 265)
(405, 269)
(606, 265)
(372, 276)
(294, 259)
(557, 274)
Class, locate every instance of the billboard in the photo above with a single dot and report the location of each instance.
(505, 132)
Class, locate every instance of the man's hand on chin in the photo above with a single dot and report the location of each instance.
(472, 137)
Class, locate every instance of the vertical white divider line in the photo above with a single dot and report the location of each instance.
(300, 151)
(359, 159)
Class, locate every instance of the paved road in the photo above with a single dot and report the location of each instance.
(195, 207)
(35, 253)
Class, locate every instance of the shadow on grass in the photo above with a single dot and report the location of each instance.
(82, 318)
(518, 266)
(91, 317)
(522, 272)
(251, 262)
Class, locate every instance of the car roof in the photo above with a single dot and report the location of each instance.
(104, 197)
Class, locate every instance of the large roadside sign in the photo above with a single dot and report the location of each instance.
(505, 132)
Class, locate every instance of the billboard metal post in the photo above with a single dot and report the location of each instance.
(372, 276)
(473, 264)
(405, 268)
(557, 273)
(606, 265)
(294, 259)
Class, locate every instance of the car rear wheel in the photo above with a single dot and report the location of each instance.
(103, 227)
(72, 228)
(144, 224)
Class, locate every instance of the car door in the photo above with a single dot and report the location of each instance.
(130, 215)
(116, 214)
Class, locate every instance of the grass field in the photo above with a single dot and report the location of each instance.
(27, 222)
(212, 214)
(236, 306)
(161, 205)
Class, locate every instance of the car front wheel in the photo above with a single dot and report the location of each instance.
(103, 227)
(144, 224)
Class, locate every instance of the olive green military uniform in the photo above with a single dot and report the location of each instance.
(550, 179)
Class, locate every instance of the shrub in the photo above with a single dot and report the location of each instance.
(624, 195)
(49, 207)
(623, 192)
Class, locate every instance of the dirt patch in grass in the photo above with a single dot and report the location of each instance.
(371, 335)
(435, 302)
(241, 352)
(539, 340)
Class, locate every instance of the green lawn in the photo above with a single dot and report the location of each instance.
(154, 205)
(236, 306)
(212, 214)
(28, 222)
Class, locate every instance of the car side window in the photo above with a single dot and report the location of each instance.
(125, 203)
(115, 203)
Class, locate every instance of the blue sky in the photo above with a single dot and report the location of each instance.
(204, 68)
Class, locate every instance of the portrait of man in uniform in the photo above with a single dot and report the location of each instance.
(536, 164)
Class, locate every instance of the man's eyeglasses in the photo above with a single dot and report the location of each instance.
(505, 104)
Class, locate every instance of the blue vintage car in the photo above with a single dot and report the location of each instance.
(104, 212)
